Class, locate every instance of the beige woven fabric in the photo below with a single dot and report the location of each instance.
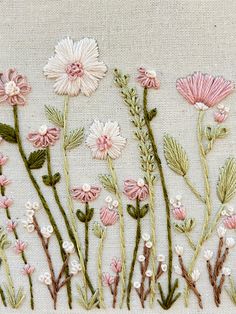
(173, 37)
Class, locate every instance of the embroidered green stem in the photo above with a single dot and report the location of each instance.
(214, 223)
(100, 286)
(86, 278)
(190, 241)
(207, 198)
(122, 229)
(137, 241)
(7, 271)
(86, 237)
(193, 189)
(3, 297)
(42, 199)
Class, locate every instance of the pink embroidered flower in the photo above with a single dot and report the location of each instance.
(204, 90)
(116, 265)
(5, 202)
(148, 78)
(230, 222)
(86, 193)
(105, 140)
(13, 88)
(44, 137)
(11, 225)
(136, 189)
(179, 212)
(3, 159)
(28, 270)
(221, 114)
(3, 180)
(108, 216)
(107, 280)
(20, 246)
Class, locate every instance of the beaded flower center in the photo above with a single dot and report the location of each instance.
(74, 70)
(104, 143)
(150, 74)
(11, 89)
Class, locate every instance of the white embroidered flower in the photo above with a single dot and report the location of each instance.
(226, 271)
(148, 273)
(179, 250)
(105, 140)
(221, 231)
(141, 258)
(148, 244)
(178, 270)
(75, 267)
(195, 275)
(45, 278)
(164, 267)
(146, 236)
(136, 285)
(75, 67)
(47, 231)
(208, 254)
(161, 258)
(229, 242)
(68, 247)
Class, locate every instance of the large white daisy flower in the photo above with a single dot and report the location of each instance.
(75, 67)
(105, 140)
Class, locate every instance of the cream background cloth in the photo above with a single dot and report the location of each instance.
(173, 37)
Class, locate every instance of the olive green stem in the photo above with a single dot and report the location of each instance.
(135, 252)
(100, 253)
(193, 189)
(207, 198)
(70, 205)
(122, 229)
(86, 237)
(190, 241)
(42, 199)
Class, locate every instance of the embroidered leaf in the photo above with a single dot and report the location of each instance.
(87, 304)
(74, 139)
(80, 215)
(144, 210)
(107, 182)
(152, 114)
(53, 180)
(14, 300)
(186, 226)
(226, 186)
(90, 214)
(175, 155)
(55, 116)
(132, 211)
(37, 159)
(4, 242)
(215, 132)
(98, 230)
(8, 133)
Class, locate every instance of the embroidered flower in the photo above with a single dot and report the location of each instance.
(148, 78)
(44, 137)
(116, 265)
(179, 250)
(146, 236)
(13, 88)
(20, 246)
(28, 269)
(3, 180)
(47, 231)
(86, 193)
(226, 271)
(108, 216)
(204, 90)
(11, 225)
(68, 247)
(178, 209)
(230, 222)
(5, 202)
(229, 242)
(195, 275)
(75, 67)
(46, 278)
(136, 189)
(221, 114)
(105, 140)
(3, 159)
(75, 267)
(221, 231)
(208, 254)
(107, 280)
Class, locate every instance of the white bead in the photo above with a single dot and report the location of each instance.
(108, 199)
(29, 213)
(47, 275)
(179, 250)
(195, 275)
(47, 281)
(161, 258)
(178, 197)
(36, 206)
(136, 285)
(115, 203)
(74, 263)
(146, 237)
(141, 258)
(41, 278)
(50, 229)
(65, 244)
(229, 242)
(28, 205)
(148, 244)
(30, 227)
(148, 273)
(226, 271)
(86, 187)
(140, 182)
(208, 254)
(30, 220)
(43, 129)
(164, 267)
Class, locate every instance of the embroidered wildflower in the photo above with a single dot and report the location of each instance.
(226, 271)
(195, 275)
(230, 222)
(221, 231)
(5, 202)
(75, 67)
(136, 189)
(148, 78)
(20, 246)
(28, 269)
(3, 180)
(116, 265)
(108, 216)
(3, 159)
(229, 242)
(105, 140)
(86, 193)
(146, 237)
(47, 231)
(221, 114)
(68, 247)
(44, 137)
(11, 225)
(107, 279)
(75, 267)
(208, 254)
(179, 250)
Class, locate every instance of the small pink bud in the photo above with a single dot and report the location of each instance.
(116, 265)
(20, 246)
(179, 213)
(107, 280)
(27, 269)
(3, 159)
(230, 222)
(11, 225)
(5, 202)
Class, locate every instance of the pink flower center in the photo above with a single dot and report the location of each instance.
(104, 143)
(74, 70)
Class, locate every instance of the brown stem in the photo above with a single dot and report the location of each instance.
(218, 256)
(144, 266)
(157, 276)
(116, 283)
(65, 264)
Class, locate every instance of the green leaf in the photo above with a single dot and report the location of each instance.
(226, 186)
(132, 211)
(80, 215)
(36, 159)
(175, 155)
(8, 133)
(107, 182)
(53, 180)
(152, 114)
(74, 139)
(144, 210)
(98, 230)
(55, 116)
(90, 214)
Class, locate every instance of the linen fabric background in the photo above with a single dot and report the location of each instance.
(173, 37)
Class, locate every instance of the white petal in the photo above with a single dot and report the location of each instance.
(54, 68)
(88, 84)
(65, 50)
(112, 128)
(86, 50)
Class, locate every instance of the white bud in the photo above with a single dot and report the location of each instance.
(108, 199)
(229, 242)
(140, 182)
(28, 205)
(30, 228)
(29, 220)
(226, 271)
(148, 244)
(141, 258)
(29, 213)
(161, 258)
(136, 285)
(50, 229)
(178, 197)
(146, 237)
(148, 273)
(48, 281)
(115, 203)
(172, 201)
(195, 275)
(36, 206)
(68, 247)
(164, 267)
(208, 254)
(73, 271)
(43, 129)
(86, 187)
(221, 231)
(47, 275)
(65, 244)
(179, 250)
(223, 212)
(178, 270)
